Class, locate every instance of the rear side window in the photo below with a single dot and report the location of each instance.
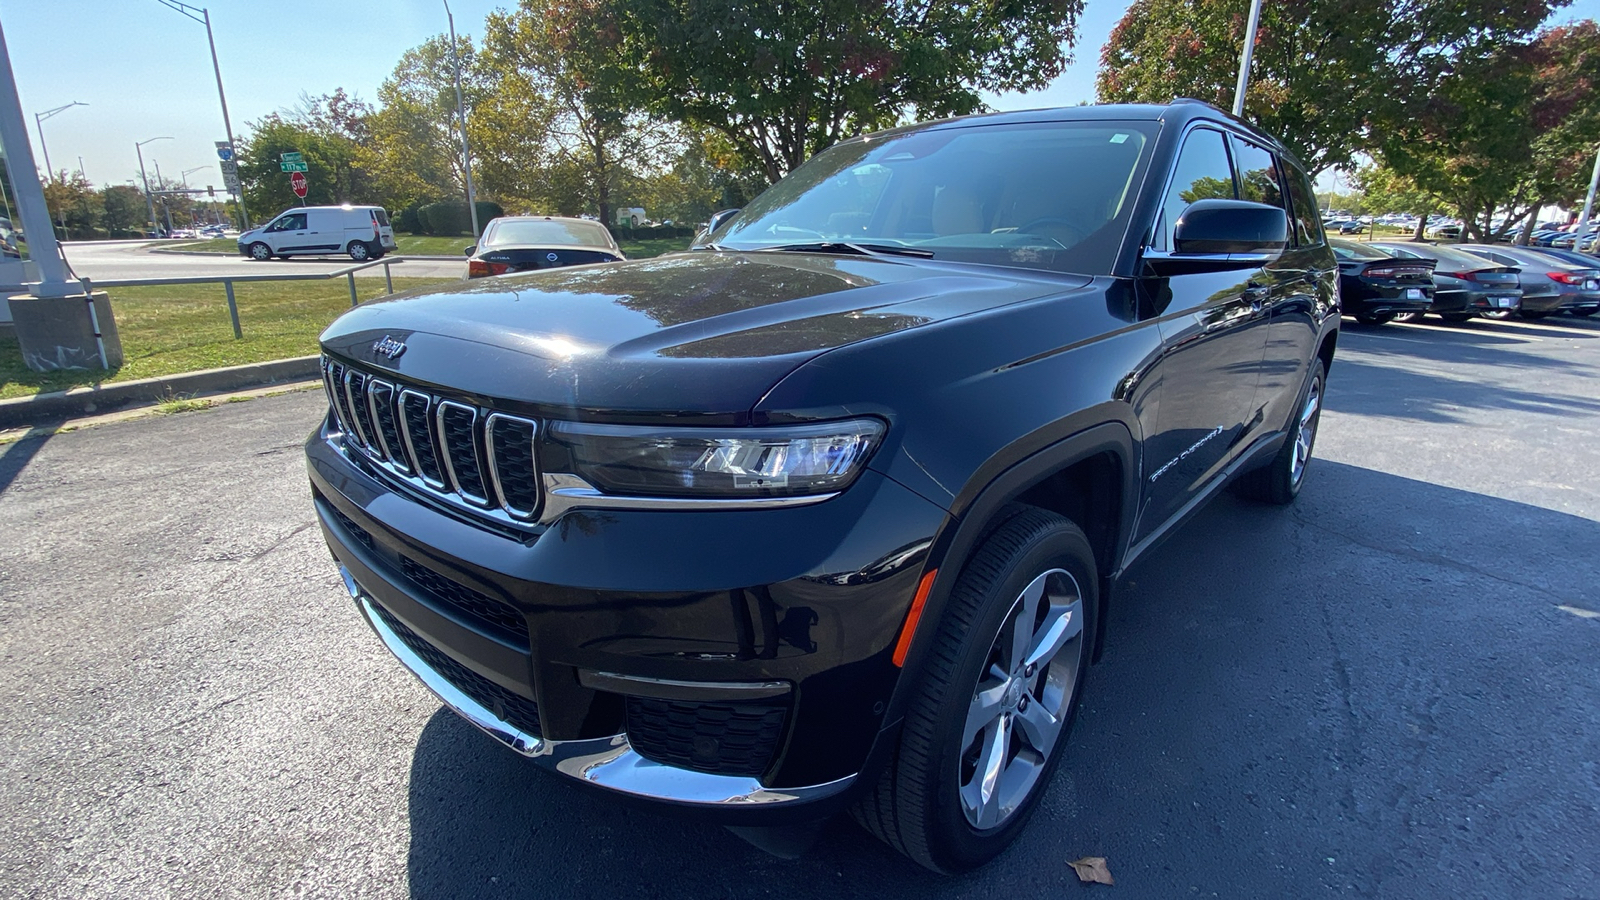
(381, 216)
(1259, 178)
(1202, 173)
(1307, 221)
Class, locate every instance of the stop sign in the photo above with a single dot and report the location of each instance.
(298, 182)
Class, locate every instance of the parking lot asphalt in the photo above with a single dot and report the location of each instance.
(1387, 690)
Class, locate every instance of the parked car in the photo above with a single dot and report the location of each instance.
(632, 217)
(1464, 285)
(521, 243)
(1572, 258)
(1375, 287)
(827, 513)
(363, 232)
(1447, 231)
(1549, 285)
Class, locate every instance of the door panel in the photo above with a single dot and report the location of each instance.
(1304, 284)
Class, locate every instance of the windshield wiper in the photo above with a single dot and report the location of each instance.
(858, 249)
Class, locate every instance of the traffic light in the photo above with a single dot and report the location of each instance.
(210, 191)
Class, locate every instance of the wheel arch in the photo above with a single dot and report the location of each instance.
(1089, 477)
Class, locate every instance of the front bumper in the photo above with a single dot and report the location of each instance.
(809, 598)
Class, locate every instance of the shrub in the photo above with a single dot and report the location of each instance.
(408, 220)
(449, 218)
(650, 232)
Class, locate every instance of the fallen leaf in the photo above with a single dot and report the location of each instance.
(1092, 870)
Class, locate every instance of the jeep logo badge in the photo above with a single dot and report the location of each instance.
(389, 348)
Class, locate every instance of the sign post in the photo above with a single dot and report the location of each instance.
(229, 165)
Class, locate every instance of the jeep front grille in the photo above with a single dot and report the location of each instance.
(444, 447)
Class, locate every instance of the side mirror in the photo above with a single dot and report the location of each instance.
(471, 249)
(718, 219)
(1231, 227)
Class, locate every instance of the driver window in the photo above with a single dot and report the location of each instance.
(1202, 173)
(294, 222)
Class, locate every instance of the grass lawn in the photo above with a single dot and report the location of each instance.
(422, 245)
(166, 330)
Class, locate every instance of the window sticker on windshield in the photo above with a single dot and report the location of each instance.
(1118, 138)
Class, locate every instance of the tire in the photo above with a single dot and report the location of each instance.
(1582, 313)
(260, 252)
(1374, 318)
(1457, 317)
(929, 802)
(1534, 316)
(1278, 482)
(359, 251)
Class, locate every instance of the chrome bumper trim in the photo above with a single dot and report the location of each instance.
(607, 762)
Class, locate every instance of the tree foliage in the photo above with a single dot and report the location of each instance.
(783, 80)
(1328, 76)
(330, 132)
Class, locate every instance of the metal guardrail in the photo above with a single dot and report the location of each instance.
(227, 282)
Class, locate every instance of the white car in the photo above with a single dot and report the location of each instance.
(363, 232)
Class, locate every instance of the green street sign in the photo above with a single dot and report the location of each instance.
(296, 166)
(291, 157)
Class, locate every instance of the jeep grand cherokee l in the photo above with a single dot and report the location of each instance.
(827, 512)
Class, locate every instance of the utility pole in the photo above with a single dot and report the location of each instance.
(38, 122)
(1244, 58)
(461, 111)
(204, 18)
(149, 204)
(166, 208)
(1588, 206)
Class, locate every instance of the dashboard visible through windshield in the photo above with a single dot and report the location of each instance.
(1051, 195)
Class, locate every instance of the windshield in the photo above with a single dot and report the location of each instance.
(1054, 195)
(545, 233)
(1347, 250)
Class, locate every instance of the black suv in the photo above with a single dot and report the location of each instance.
(827, 511)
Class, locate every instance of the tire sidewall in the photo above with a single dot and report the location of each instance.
(260, 257)
(956, 844)
(359, 251)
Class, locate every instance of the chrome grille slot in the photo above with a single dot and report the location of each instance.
(512, 466)
(380, 397)
(329, 382)
(355, 393)
(341, 403)
(458, 439)
(416, 425)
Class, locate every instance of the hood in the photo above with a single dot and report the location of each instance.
(696, 334)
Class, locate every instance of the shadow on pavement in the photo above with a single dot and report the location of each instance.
(1372, 692)
(14, 457)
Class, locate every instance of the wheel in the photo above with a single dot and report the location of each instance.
(359, 251)
(1457, 317)
(1496, 313)
(1532, 314)
(260, 252)
(1279, 481)
(1582, 313)
(996, 699)
(1409, 317)
(1374, 318)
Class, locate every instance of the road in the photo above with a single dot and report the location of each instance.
(108, 260)
(1388, 690)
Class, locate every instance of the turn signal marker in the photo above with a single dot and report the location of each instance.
(909, 629)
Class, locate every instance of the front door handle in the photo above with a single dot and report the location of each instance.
(1256, 295)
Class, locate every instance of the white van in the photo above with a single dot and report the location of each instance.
(363, 232)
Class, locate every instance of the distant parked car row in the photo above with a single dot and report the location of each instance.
(1383, 282)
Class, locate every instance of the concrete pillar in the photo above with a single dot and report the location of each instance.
(60, 333)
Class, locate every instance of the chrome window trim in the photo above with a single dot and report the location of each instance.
(607, 762)
(444, 444)
(410, 439)
(494, 464)
(1260, 258)
(350, 398)
(563, 492)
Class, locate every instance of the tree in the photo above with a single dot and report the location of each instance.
(416, 144)
(72, 202)
(1328, 76)
(330, 133)
(783, 80)
(123, 210)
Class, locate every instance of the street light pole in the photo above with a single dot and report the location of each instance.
(1244, 58)
(461, 111)
(161, 185)
(183, 179)
(1588, 206)
(149, 204)
(38, 122)
(205, 19)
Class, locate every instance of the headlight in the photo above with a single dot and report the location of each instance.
(714, 462)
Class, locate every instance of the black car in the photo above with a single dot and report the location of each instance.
(1375, 287)
(828, 512)
(1549, 285)
(519, 243)
(1464, 285)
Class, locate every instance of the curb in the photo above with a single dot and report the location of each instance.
(58, 405)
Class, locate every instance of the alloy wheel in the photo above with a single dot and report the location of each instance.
(1306, 433)
(1019, 705)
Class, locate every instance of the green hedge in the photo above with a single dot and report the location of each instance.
(447, 218)
(651, 232)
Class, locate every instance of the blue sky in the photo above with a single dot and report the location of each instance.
(145, 70)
